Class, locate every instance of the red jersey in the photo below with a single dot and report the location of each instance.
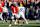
(2, 4)
(14, 9)
(0, 9)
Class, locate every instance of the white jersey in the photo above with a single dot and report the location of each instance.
(21, 9)
(21, 12)
(4, 9)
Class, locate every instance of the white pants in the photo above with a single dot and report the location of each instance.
(21, 14)
(1, 16)
(16, 15)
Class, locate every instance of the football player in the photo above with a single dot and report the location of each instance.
(5, 12)
(14, 14)
(1, 12)
(21, 11)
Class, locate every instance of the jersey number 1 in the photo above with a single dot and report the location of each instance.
(14, 10)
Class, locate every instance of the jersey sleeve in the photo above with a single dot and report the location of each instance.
(24, 8)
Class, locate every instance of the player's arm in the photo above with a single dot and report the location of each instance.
(2, 10)
(24, 10)
(11, 10)
(17, 11)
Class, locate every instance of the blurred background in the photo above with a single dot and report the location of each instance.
(32, 8)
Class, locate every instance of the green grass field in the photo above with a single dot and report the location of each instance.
(31, 24)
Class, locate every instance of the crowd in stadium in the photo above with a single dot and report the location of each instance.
(32, 7)
(10, 9)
